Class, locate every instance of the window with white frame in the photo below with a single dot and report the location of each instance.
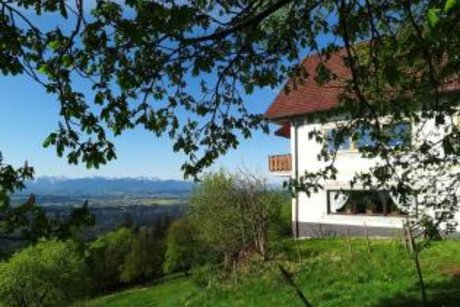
(398, 135)
(363, 202)
(336, 143)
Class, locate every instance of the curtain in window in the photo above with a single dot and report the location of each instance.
(398, 201)
(338, 200)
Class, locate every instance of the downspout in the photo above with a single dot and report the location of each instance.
(296, 176)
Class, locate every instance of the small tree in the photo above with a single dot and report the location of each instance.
(215, 216)
(145, 259)
(50, 273)
(106, 256)
(260, 209)
(234, 214)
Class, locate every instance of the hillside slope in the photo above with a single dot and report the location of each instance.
(329, 276)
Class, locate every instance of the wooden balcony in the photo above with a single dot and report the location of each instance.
(280, 163)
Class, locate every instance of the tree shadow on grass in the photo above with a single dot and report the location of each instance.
(445, 294)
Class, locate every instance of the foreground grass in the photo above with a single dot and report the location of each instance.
(329, 273)
(171, 292)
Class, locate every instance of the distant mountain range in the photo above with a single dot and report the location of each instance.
(101, 186)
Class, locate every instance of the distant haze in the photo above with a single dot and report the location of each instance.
(100, 186)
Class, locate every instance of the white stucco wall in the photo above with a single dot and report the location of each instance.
(313, 209)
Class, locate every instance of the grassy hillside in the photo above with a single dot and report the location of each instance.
(329, 275)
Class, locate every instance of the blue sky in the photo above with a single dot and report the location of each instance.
(28, 115)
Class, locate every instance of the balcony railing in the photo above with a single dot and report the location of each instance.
(280, 163)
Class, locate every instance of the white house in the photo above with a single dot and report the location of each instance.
(329, 211)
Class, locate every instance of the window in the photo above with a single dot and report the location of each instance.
(362, 202)
(399, 134)
(332, 146)
(365, 138)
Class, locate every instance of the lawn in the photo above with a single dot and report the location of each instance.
(329, 273)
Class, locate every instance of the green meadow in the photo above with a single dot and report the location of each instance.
(329, 272)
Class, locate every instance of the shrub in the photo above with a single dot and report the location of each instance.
(281, 226)
(203, 276)
(50, 273)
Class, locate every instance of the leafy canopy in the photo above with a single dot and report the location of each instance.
(139, 57)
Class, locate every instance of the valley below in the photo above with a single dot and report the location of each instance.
(113, 202)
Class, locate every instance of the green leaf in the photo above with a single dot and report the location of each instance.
(99, 98)
(433, 17)
(43, 69)
(67, 60)
(51, 139)
(54, 44)
(450, 4)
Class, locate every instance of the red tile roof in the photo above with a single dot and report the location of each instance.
(309, 96)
